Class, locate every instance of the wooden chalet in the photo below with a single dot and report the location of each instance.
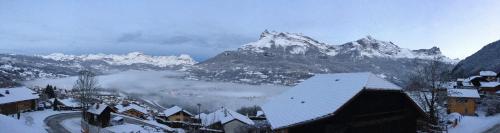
(178, 114)
(225, 120)
(344, 102)
(16, 100)
(489, 87)
(132, 110)
(462, 101)
(489, 76)
(177, 117)
(98, 115)
(65, 104)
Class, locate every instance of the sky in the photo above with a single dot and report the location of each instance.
(205, 28)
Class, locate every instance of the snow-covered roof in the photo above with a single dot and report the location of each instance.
(466, 93)
(260, 113)
(320, 96)
(498, 92)
(223, 116)
(460, 79)
(122, 108)
(70, 102)
(16, 94)
(487, 73)
(97, 108)
(174, 110)
(490, 84)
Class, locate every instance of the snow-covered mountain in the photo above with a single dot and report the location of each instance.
(287, 58)
(296, 43)
(14, 68)
(127, 59)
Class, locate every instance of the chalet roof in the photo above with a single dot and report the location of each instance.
(97, 108)
(487, 73)
(122, 108)
(223, 116)
(174, 110)
(490, 84)
(69, 102)
(464, 93)
(16, 94)
(320, 96)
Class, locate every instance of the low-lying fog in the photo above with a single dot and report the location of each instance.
(166, 88)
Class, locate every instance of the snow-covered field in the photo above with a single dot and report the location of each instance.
(473, 124)
(167, 88)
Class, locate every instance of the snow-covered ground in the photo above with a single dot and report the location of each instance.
(473, 124)
(37, 118)
(73, 125)
(167, 88)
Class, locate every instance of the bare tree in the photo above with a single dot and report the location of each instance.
(426, 87)
(85, 88)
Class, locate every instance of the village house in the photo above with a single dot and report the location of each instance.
(133, 110)
(16, 100)
(65, 104)
(177, 117)
(225, 120)
(344, 102)
(489, 76)
(462, 101)
(489, 87)
(98, 115)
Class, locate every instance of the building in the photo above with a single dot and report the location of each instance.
(14, 100)
(132, 110)
(490, 76)
(178, 114)
(177, 117)
(227, 121)
(462, 101)
(65, 104)
(344, 102)
(489, 87)
(98, 115)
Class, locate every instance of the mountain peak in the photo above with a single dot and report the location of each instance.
(272, 39)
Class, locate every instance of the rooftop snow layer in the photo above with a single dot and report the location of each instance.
(122, 108)
(16, 94)
(319, 96)
(466, 93)
(487, 73)
(223, 116)
(174, 110)
(97, 108)
(489, 84)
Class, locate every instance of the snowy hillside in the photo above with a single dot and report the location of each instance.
(16, 68)
(127, 59)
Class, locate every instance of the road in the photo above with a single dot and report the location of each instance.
(54, 122)
(495, 129)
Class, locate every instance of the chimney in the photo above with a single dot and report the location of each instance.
(97, 106)
(7, 92)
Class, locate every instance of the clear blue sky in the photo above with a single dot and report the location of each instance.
(205, 28)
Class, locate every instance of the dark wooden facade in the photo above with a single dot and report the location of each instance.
(19, 106)
(370, 111)
(101, 120)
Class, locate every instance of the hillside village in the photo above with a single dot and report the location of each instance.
(346, 102)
